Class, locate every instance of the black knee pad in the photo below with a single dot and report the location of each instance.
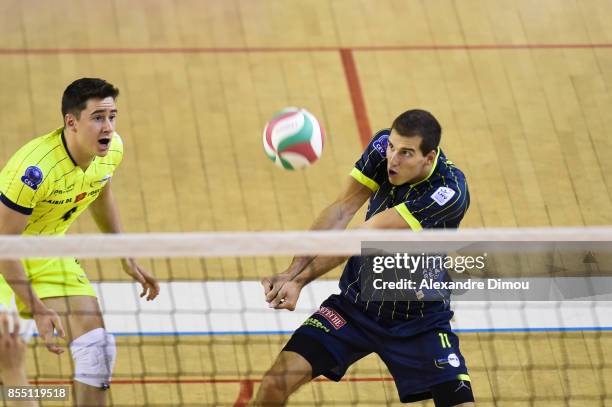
(452, 393)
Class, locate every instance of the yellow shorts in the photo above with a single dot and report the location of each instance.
(52, 277)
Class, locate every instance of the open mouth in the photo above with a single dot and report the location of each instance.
(392, 172)
(104, 141)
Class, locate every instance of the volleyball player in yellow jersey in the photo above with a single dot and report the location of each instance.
(43, 188)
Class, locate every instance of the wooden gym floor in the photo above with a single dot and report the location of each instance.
(521, 87)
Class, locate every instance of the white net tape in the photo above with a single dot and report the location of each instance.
(238, 244)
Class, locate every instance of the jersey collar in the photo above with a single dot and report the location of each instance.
(66, 148)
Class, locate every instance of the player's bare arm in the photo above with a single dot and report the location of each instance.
(282, 290)
(336, 216)
(13, 223)
(285, 291)
(106, 215)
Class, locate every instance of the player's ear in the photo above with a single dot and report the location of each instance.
(70, 121)
(431, 156)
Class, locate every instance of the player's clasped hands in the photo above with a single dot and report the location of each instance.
(150, 286)
(281, 291)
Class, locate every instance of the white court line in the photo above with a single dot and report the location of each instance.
(230, 306)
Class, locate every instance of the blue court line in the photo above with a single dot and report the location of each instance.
(477, 330)
(202, 333)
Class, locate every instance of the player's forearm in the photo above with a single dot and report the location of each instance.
(105, 212)
(15, 276)
(332, 217)
(317, 267)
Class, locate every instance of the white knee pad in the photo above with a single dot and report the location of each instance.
(94, 356)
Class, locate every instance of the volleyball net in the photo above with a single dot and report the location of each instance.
(536, 333)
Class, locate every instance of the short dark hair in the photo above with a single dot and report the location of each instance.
(80, 91)
(419, 123)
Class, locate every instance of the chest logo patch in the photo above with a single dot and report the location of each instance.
(32, 177)
(442, 195)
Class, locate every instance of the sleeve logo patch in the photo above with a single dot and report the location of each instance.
(442, 195)
(33, 177)
(380, 144)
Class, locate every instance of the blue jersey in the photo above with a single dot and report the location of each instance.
(439, 201)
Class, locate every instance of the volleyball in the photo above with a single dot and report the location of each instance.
(293, 139)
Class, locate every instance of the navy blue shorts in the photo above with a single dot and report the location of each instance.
(418, 359)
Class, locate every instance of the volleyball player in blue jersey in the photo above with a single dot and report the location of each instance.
(410, 184)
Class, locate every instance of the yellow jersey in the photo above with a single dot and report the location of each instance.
(42, 180)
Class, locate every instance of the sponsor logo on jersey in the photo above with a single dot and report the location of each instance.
(316, 324)
(332, 316)
(452, 360)
(80, 197)
(101, 181)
